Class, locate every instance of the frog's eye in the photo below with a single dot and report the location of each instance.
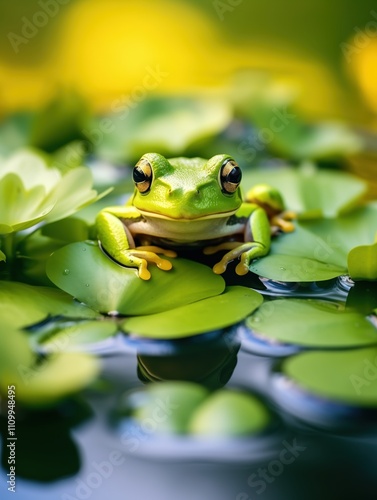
(142, 175)
(230, 176)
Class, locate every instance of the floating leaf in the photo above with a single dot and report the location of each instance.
(229, 413)
(2, 256)
(59, 376)
(23, 305)
(44, 383)
(302, 256)
(85, 272)
(199, 317)
(309, 191)
(353, 233)
(346, 376)
(362, 262)
(311, 323)
(168, 125)
(172, 402)
(79, 335)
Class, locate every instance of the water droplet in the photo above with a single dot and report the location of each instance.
(283, 268)
(86, 284)
(83, 249)
(257, 319)
(66, 271)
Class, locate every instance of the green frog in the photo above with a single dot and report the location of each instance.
(191, 201)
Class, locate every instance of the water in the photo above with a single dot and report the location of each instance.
(314, 449)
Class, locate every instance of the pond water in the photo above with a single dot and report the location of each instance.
(313, 448)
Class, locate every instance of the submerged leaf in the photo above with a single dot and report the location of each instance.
(85, 272)
(202, 316)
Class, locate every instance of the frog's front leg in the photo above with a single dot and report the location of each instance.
(117, 240)
(271, 200)
(257, 229)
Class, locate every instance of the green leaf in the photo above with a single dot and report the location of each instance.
(346, 376)
(85, 272)
(174, 401)
(353, 233)
(31, 190)
(311, 323)
(168, 125)
(311, 192)
(79, 335)
(271, 110)
(59, 376)
(202, 316)
(362, 262)
(302, 256)
(24, 305)
(45, 383)
(229, 413)
(2, 256)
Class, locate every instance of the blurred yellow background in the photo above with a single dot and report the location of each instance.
(109, 49)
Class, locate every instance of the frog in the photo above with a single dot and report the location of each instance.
(190, 201)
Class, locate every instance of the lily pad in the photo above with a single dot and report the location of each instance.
(345, 376)
(166, 408)
(362, 262)
(309, 191)
(23, 305)
(302, 256)
(199, 317)
(59, 376)
(85, 272)
(79, 335)
(168, 125)
(229, 413)
(311, 323)
(41, 383)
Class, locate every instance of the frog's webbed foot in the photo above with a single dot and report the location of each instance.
(245, 251)
(283, 221)
(141, 256)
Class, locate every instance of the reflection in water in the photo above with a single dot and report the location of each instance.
(45, 450)
(211, 365)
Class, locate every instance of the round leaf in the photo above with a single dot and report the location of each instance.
(57, 377)
(301, 256)
(311, 323)
(229, 413)
(85, 272)
(79, 335)
(169, 405)
(23, 305)
(311, 192)
(346, 376)
(202, 316)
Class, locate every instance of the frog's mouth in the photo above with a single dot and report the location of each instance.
(183, 218)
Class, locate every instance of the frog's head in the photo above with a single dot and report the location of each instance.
(187, 188)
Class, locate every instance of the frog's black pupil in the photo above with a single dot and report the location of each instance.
(235, 175)
(139, 175)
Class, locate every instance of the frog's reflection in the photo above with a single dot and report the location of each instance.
(211, 365)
